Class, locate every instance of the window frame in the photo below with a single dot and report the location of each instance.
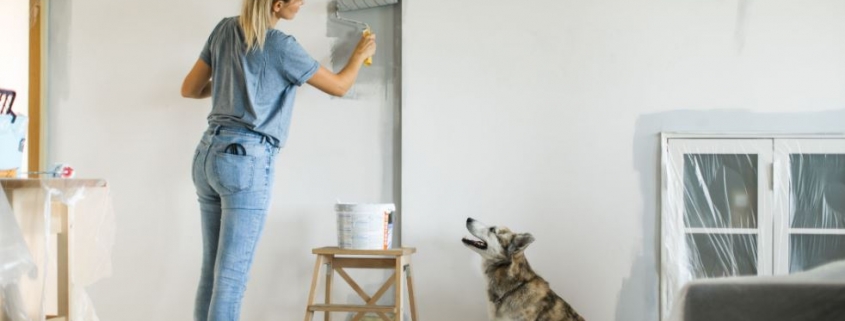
(783, 148)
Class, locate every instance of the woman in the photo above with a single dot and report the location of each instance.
(251, 71)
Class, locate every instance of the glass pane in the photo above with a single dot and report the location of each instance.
(817, 198)
(720, 190)
(809, 251)
(718, 255)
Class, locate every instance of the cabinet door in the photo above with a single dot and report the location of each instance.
(719, 205)
(809, 203)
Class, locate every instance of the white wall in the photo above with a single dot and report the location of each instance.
(14, 56)
(544, 116)
(116, 113)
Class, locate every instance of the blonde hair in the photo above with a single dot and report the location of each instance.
(255, 19)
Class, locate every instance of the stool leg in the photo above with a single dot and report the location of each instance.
(309, 315)
(411, 299)
(400, 263)
(329, 274)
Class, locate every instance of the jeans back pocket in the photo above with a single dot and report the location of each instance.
(235, 173)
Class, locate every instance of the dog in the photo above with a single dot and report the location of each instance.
(514, 291)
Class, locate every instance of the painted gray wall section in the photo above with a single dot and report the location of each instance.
(116, 113)
(545, 116)
(380, 78)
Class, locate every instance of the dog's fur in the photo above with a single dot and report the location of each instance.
(514, 291)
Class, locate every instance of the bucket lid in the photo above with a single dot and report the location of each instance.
(364, 207)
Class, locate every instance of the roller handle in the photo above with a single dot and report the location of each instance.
(369, 60)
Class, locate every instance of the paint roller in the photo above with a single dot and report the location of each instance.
(353, 5)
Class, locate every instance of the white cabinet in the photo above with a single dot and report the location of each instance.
(749, 205)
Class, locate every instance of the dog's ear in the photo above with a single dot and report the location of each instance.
(520, 242)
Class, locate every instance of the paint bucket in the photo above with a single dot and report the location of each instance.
(364, 226)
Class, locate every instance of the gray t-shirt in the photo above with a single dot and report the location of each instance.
(255, 89)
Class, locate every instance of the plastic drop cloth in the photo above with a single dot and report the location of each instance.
(28, 268)
(751, 213)
(15, 262)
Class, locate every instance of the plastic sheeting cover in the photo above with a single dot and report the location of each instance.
(15, 263)
(32, 202)
(722, 207)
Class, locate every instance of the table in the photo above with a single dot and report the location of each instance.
(62, 225)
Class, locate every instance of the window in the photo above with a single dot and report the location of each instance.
(749, 205)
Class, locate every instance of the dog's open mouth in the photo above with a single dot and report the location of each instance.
(481, 245)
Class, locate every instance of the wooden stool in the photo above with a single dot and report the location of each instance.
(336, 259)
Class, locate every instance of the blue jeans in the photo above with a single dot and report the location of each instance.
(233, 174)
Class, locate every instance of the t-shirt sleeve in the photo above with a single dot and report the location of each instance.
(205, 54)
(297, 66)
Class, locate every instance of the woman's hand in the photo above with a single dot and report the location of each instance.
(340, 83)
(366, 47)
